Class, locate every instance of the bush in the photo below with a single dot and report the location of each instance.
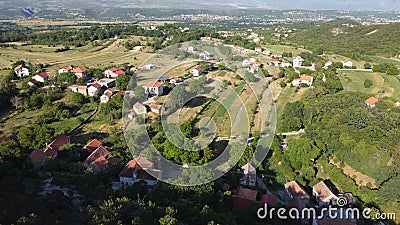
(368, 83)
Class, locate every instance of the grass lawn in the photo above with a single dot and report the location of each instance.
(384, 85)
(285, 48)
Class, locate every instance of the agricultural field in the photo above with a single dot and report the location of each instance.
(102, 55)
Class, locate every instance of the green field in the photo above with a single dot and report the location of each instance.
(284, 48)
(384, 85)
(104, 54)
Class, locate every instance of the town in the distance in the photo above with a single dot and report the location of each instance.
(72, 79)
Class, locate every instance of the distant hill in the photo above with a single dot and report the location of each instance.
(351, 39)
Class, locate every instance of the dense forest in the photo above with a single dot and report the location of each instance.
(351, 39)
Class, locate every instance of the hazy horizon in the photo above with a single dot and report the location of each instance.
(354, 5)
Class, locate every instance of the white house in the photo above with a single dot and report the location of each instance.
(303, 80)
(328, 64)
(154, 88)
(65, 69)
(298, 61)
(80, 72)
(107, 96)
(140, 169)
(114, 72)
(258, 49)
(41, 77)
(22, 71)
(347, 63)
(93, 89)
(205, 55)
(274, 62)
(139, 108)
(158, 109)
(175, 80)
(190, 49)
(196, 71)
(324, 195)
(286, 64)
(83, 90)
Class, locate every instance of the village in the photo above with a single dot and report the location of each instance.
(251, 188)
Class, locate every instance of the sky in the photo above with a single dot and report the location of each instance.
(393, 5)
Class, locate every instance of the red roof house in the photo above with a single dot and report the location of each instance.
(93, 145)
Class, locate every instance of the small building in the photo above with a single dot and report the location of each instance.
(286, 64)
(196, 71)
(22, 71)
(397, 104)
(66, 69)
(139, 108)
(41, 77)
(324, 195)
(190, 49)
(99, 160)
(93, 145)
(298, 62)
(109, 83)
(371, 102)
(154, 88)
(274, 62)
(328, 64)
(158, 109)
(297, 197)
(175, 80)
(32, 83)
(140, 169)
(106, 96)
(94, 89)
(80, 72)
(114, 72)
(249, 175)
(347, 63)
(83, 90)
(305, 79)
(205, 55)
(258, 49)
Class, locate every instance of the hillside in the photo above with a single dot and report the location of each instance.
(351, 39)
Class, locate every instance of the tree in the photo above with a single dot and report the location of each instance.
(140, 94)
(196, 86)
(169, 218)
(68, 78)
(16, 101)
(123, 82)
(368, 83)
(249, 77)
(367, 66)
(77, 99)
